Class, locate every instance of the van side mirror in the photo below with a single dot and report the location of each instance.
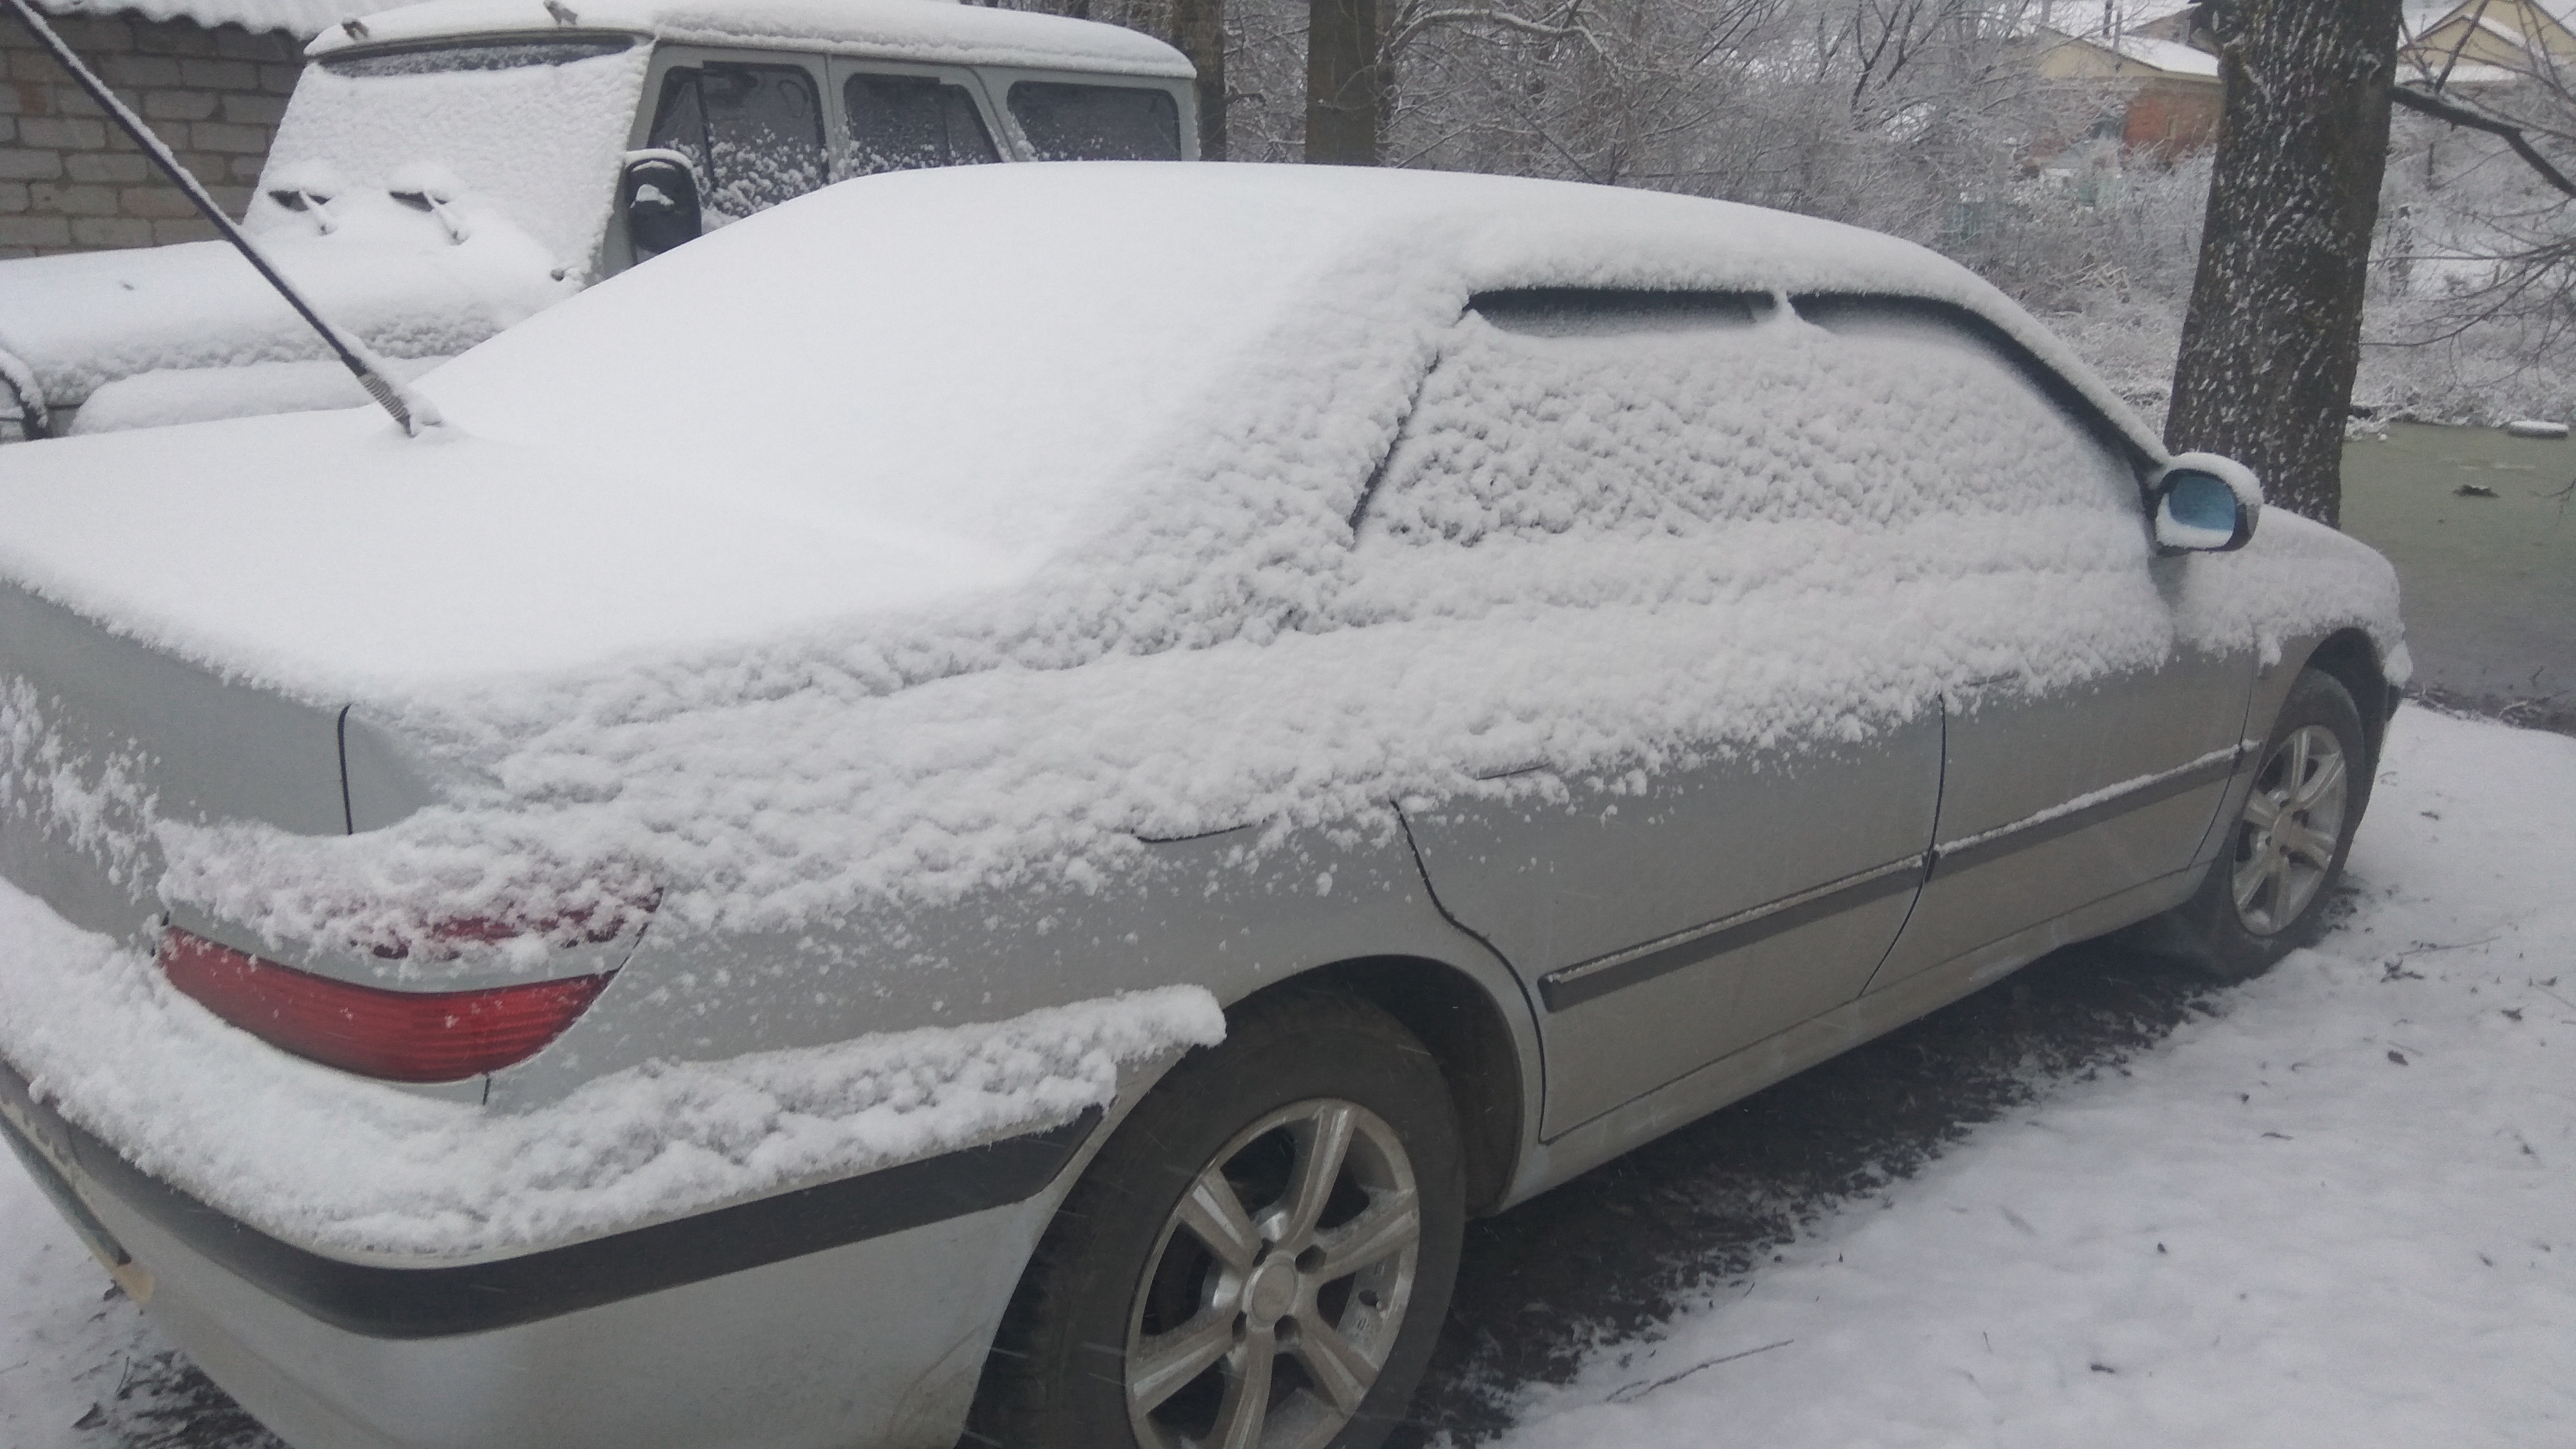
(2203, 503)
(658, 195)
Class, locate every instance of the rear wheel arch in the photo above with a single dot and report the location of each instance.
(1470, 1039)
(1116, 1332)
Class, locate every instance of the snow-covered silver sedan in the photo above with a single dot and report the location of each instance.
(992, 801)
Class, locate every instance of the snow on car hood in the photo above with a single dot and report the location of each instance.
(84, 320)
(423, 211)
(937, 525)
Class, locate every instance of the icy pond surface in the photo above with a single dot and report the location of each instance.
(2477, 570)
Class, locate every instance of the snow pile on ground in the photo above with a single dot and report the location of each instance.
(335, 1162)
(2343, 1211)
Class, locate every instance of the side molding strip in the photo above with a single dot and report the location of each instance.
(1602, 975)
(1588, 980)
(404, 1303)
(2084, 812)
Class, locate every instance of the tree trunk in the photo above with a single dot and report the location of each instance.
(2273, 335)
(1346, 87)
(1198, 31)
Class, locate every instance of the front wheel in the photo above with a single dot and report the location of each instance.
(2266, 893)
(1261, 1256)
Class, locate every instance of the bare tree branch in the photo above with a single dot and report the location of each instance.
(2440, 109)
(1419, 23)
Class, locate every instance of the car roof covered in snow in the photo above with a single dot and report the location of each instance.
(928, 30)
(1135, 381)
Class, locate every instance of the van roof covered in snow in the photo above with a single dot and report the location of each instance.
(930, 30)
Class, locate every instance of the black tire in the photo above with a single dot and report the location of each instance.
(1120, 1278)
(2291, 872)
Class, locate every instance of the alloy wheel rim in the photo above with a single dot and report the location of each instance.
(2285, 841)
(1277, 1286)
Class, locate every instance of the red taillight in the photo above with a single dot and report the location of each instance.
(401, 1036)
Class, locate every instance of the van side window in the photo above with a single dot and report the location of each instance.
(1097, 122)
(1641, 415)
(755, 132)
(906, 122)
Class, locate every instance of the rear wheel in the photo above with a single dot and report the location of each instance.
(1260, 1257)
(2267, 891)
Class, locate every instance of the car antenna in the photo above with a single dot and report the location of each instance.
(408, 408)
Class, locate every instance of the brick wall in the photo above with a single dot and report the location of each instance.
(2171, 118)
(70, 181)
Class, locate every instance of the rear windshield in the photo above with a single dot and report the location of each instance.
(481, 55)
(1066, 122)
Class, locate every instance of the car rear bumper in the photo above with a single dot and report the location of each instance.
(853, 1313)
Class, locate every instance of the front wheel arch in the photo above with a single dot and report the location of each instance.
(2226, 934)
(2353, 660)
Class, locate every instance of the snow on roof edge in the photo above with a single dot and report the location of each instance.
(2170, 56)
(919, 29)
(301, 18)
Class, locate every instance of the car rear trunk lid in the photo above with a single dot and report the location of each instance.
(102, 737)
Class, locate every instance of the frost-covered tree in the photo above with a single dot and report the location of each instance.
(2475, 305)
(2272, 337)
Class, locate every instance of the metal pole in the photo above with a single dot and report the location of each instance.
(408, 408)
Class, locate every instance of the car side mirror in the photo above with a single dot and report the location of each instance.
(2203, 503)
(658, 195)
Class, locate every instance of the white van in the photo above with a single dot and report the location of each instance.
(446, 170)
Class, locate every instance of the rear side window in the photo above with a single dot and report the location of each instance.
(906, 122)
(1642, 415)
(1097, 123)
(755, 132)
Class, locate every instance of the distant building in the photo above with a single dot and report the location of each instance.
(2172, 100)
(2167, 57)
(210, 76)
(2484, 42)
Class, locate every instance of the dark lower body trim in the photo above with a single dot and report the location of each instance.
(381, 1302)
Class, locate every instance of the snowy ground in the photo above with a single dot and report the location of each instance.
(2336, 1206)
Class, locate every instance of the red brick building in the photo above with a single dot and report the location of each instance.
(2172, 99)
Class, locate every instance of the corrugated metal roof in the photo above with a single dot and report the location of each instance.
(303, 19)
